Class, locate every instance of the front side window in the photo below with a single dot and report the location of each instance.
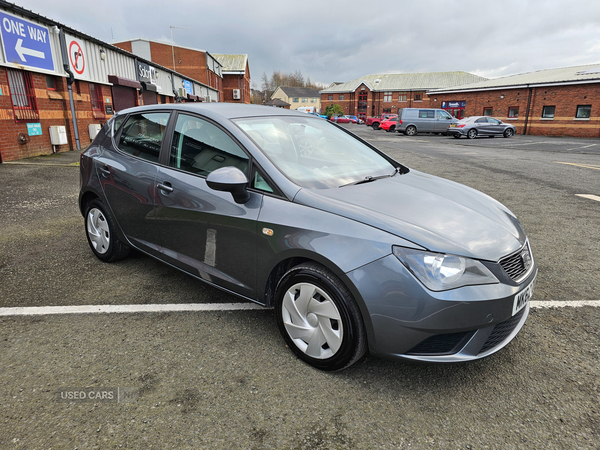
(513, 112)
(387, 96)
(548, 112)
(443, 115)
(493, 121)
(583, 111)
(22, 95)
(200, 147)
(314, 153)
(143, 134)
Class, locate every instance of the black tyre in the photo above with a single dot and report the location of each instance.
(100, 233)
(410, 130)
(509, 132)
(472, 133)
(392, 128)
(375, 125)
(319, 319)
(456, 136)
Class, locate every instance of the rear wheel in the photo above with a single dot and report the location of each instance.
(456, 136)
(472, 133)
(100, 233)
(375, 125)
(392, 128)
(410, 130)
(319, 319)
(509, 132)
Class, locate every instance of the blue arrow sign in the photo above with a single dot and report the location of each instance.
(26, 43)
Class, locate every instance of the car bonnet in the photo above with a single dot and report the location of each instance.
(438, 214)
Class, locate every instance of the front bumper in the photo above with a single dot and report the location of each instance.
(408, 321)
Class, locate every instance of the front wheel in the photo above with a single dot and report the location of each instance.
(319, 319)
(375, 126)
(410, 131)
(509, 132)
(100, 233)
(472, 133)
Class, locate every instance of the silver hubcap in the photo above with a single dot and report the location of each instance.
(312, 320)
(98, 231)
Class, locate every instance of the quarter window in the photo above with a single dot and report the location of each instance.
(143, 134)
(201, 147)
(548, 112)
(584, 111)
(513, 112)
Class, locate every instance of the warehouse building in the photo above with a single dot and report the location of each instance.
(236, 78)
(373, 95)
(58, 85)
(552, 102)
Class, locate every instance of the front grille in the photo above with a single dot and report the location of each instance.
(502, 331)
(441, 344)
(517, 264)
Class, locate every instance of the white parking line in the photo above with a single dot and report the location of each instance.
(178, 307)
(109, 309)
(589, 196)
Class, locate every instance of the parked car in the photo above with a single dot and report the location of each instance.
(345, 119)
(388, 125)
(423, 120)
(355, 119)
(481, 126)
(354, 251)
(375, 121)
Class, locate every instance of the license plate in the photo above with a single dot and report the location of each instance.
(522, 298)
(452, 126)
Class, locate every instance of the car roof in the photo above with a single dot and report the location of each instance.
(222, 110)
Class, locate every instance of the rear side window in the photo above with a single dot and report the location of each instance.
(201, 147)
(143, 134)
(426, 114)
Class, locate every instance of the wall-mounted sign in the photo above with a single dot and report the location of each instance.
(187, 85)
(148, 74)
(34, 129)
(26, 43)
(77, 57)
(108, 109)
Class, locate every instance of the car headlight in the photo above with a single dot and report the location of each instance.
(441, 272)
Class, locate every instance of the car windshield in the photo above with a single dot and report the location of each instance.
(313, 153)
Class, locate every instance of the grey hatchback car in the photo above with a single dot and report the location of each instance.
(355, 252)
(481, 126)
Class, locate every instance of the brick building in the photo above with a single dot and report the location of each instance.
(59, 85)
(552, 102)
(194, 63)
(236, 78)
(372, 95)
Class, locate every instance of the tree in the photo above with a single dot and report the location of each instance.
(334, 110)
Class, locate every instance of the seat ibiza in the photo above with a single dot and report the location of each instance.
(355, 252)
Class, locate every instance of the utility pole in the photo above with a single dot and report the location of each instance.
(172, 47)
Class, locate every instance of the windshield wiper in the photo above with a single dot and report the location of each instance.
(369, 178)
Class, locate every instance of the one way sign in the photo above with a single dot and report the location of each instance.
(26, 43)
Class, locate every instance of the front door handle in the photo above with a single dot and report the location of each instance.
(166, 187)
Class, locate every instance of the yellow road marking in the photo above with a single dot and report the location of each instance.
(585, 166)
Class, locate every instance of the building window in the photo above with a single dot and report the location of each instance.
(584, 111)
(402, 97)
(488, 112)
(313, 100)
(387, 96)
(341, 97)
(304, 100)
(387, 110)
(50, 84)
(22, 95)
(295, 100)
(548, 112)
(418, 96)
(96, 97)
(513, 112)
(330, 97)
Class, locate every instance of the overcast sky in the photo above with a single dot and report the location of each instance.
(345, 39)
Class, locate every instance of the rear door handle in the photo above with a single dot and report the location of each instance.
(105, 171)
(166, 187)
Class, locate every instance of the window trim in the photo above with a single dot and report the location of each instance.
(508, 116)
(553, 113)
(487, 115)
(577, 117)
(31, 109)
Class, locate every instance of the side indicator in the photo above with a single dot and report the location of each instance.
(268, 231)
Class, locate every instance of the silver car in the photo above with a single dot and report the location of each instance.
(355, 252)
(481, 126)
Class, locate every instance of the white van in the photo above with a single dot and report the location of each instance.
(307, 109)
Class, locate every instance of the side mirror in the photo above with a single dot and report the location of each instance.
(230, 179)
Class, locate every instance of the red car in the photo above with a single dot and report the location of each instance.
(388, 124)
(343, 119)
(376, 121)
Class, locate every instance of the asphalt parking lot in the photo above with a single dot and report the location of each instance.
(224, 379)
